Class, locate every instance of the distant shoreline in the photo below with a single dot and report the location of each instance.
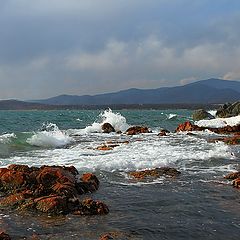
(18, 105)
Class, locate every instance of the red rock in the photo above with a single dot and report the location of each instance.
(104, 148)
(188, 126)
(233, 175)
(137, 130)
(51, 204)
(49, 189)
(4, 236)
(89, 183)
(11, 179)
(236, 182)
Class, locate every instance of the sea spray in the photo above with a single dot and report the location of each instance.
(115, 119)
(50, 136)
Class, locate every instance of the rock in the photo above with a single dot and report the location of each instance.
(233, 175)
(91, 207)
(188, 126)
(137, 130)
(104, 148)
(4, 236)
(52, 204)
(236, 183)
(107, 128)
(229, 110)
(163, 132)
(201, 114)
(48, 189)
(155, 173)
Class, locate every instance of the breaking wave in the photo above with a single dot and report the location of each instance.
(50, 136)
(115, 119)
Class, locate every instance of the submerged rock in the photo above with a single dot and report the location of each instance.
(137, 130)
(155, 173)
(107, 128)
(48, 189)
(201, 114)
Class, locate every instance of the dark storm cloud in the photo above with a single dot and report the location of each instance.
(87, 47)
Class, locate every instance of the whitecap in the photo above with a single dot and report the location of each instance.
(51, 136)
(7, 138)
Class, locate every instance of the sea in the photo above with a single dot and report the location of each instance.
(198, 204)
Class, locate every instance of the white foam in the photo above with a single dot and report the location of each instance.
(171, 116)
(7, 138)
(50, 137)
(219, 122)
(213, 112)
(115, 119)
(151, 152)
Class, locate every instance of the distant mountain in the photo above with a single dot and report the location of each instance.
(20, 105)
(209, 91)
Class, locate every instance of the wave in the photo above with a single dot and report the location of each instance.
(7, 138)
(219, 122)
(50, 136)
(171, 116)
(115, 119)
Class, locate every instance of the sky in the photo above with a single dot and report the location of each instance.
(53, 47)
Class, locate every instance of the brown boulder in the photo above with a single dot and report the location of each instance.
(107, 128)
(154, 173)
(188, 126)
(137, 130)
(48, 189)
(163, 132)
(236, 182)
(233, 175)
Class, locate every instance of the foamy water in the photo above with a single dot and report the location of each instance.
(197, 204)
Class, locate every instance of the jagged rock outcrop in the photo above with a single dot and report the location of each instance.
(229, 110)
(188, 126)
(48, 189)
(201, 114)
(235, 177)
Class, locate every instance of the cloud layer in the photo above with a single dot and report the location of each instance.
(86, 47)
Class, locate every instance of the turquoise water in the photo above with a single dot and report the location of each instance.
(199, 204)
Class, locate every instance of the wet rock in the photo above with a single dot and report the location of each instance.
(233, 175)
(52, 204)
(155, 173)
(201, 114)
(188, 126)
(4, 236)
(107, 128)
(48, 189)
(229, 110)
(104, 148)
(89, 183)
(91, 207)
(137, 130)
(234, 140)
(236, 183)
(163, 132)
